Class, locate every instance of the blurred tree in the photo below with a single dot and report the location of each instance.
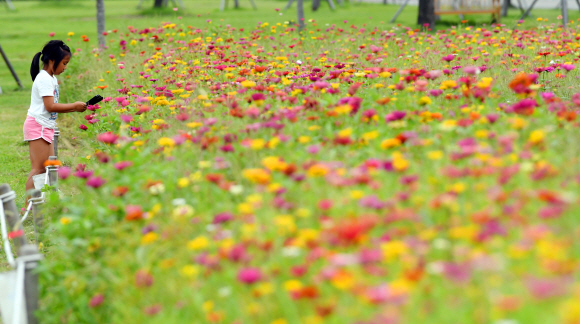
(101, 21)
(426, 17)
(300, 11)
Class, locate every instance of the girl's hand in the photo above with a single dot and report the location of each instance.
(80, 106)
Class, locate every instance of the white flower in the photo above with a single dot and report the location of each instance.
(298, 62)
(224, 291)
(236, 189)
(178, 201)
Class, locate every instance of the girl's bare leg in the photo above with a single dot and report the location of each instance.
(40, 150)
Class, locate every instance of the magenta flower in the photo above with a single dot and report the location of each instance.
(222, 218)
(107, 138)
(258, 96)
(448, 58)
(395, 115)
(249, 275)
(63, 172)
(97, 300)
(83, 127)
(95, 182)
(83, 174)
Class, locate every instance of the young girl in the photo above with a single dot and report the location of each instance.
(44, 107)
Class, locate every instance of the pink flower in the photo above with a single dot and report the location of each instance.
(107, 138)
(97, 300)
(63, 172)
(126, 118)
(143, 278)
(122, 165)
(83, 127)
(471, 70)
(95, 182)
(568, 67)
(458, 273)
(542, 288)
(51, 34)
(153, 309)
(325, 204)
(249, 275)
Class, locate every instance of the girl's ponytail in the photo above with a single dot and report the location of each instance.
(55, 50)
(35, 66)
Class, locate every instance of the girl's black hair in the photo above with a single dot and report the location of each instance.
(55, 50)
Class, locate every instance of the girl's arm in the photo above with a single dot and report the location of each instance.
(51, 107)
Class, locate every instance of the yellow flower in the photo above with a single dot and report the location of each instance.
(370, 135)
(343, 109)
(303, 212)
(199, 243)
(149, 238)
(467, 232)
(246, 208)
(399, 162)
(274, 163)
(343, 280)
(317, 170)
(393, 249)
(448, 84)
(182, 182)
(70, 34)
(293, 285)
(248, 84)
(166, 142)
(435, 155)
(257, 175)
(425, 101)
(345, 132)
(303, 139)
(357, 194)
(390, 143)
(257, 144)
(193, 124)
(65, 220)
(285, 224)
(189, 271)
(537, 136)
(518, 123)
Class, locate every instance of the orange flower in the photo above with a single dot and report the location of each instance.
(52, 163)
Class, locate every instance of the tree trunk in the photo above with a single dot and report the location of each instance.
(300, 10)
(315, 5)
(504, 7)
(101, 22)
(426, 17)
(158, 4)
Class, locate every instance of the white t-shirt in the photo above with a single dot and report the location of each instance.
(44, 86)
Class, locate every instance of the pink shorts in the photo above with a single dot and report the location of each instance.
(33, 131)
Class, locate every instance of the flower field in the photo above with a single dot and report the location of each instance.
(348, 174)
